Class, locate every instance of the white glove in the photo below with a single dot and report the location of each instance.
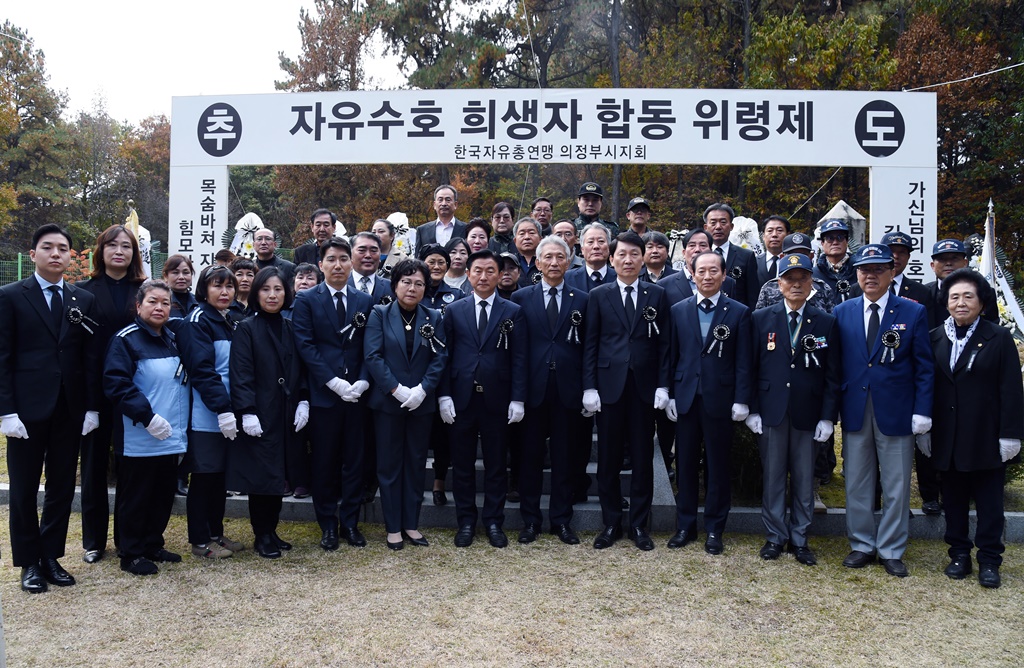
(919, 424)
(591, 401)
(753, 423)
(661, 398)
(251, 425)
(1008, 448)
(416, 397)
(671, 411)
(516, 410)
(447, 408)
(924, 444)
(339, 386)
(740, 412)
(228, 425)
(12, 427)
(355, 391)
(159, 428)
(301, 415)
(823, 430)
(92, 420)
(401, 393)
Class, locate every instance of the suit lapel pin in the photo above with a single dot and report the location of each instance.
(771, 341)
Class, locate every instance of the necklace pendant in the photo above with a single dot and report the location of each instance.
(408, 327)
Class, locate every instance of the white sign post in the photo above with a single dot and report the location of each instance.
(891, 133)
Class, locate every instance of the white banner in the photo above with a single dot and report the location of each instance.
(594, 126)
(198, 213)
(904, 199)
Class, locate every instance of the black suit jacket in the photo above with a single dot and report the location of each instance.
(381, 293)
(580, 279)
(562, 346)
(37, 358)
(762, 272)
(613, 346)
(110, 317)
(938, 312)
(742, 267)
(307, 252)
(978, 402)
(425, 233)
(790, 382)
(915, 291)
(677, 287)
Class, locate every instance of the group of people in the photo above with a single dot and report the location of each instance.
(334, 376)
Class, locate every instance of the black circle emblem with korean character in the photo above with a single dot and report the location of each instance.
(880, 128)
(219, 129)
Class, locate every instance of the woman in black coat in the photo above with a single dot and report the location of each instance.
(405, 355)
(977, 422)
(116, 276)
(268, 390)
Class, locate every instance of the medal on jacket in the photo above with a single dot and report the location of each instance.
(427, 332)
(891, 341)
(650, 313)
(809, 345)
(76, 317)
(504, 329)
(720, 333)
(575, 320)
(771, 341)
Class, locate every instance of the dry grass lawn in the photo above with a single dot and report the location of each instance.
(545, 604)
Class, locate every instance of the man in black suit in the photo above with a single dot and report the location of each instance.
(773, 232)
(681, 285)
(555, 315)
(322, 224)
(710, 356)
(482, 392)
(446, 227)
(265, 243)
(739, 262)
(901, 244)
(796, 362)
(625, 380)
(49, 398)
(948, 255)
(330, 322)
(595, 243)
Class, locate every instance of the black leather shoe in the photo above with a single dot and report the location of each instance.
(329, 541)
(895, 567)
(267, 547)
(770, 551)
(138, 566)
(164, 556)
(440, 498)
(988, 576)
(281, 543)
(713, 544)
(608, 537)
(55, 573)
(959, 567)
(92, 556)
(681, 539)
(641, 539)
(566, 534)
(395, 546)
(804, 555)
(858, 559)
(464, 536)
(354, 537)
(32, 580)
(496, 536)
(529, 533)
(418, 542)
(931, 508)
(182, 489)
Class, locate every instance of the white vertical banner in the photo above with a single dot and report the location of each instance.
(198, 215)
(906, 199)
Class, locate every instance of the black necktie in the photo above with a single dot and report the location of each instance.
(720, 251)
(553, 308)
(706, 305)
(873, 325)
(630, 307)
(794, 325)
(773, 268)
(482, 327)
(56, 305)
(892, 287)
(596, 277)
(341, 310)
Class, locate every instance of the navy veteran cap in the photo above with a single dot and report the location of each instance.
(835, 225)
(949, 246)
(796, 241)
(871, 254)
(637, 201)
(591, 188)
(795, 261)
(898, 238)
